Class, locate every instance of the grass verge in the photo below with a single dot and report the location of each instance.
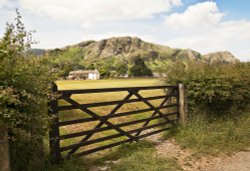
(215, 136)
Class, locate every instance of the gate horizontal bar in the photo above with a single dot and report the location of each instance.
(60, 108)
(70, 122)
(103, 90)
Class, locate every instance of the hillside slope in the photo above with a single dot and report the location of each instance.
(109, 55)
(131, 46)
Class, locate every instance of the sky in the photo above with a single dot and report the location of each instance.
(202, 25)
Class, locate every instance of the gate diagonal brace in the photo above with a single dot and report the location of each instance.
(152, 107)
(103, 121)
(162, 104)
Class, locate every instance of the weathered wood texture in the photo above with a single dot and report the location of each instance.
(172, 100)
(182, 105)
(54, 131)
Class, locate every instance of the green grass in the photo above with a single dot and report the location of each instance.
(68, 165)
(134, 156)
(144, 161)
(108, 83)
(215, 136)
(124, 151)
(140, 157)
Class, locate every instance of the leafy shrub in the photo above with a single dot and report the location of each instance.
(24, 87)
(218, 88)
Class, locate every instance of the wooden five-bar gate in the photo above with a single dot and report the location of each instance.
(162, 117)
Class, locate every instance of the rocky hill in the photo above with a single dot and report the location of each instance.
(127, 47)
(117, 54)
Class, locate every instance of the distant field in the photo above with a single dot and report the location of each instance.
(109, 83)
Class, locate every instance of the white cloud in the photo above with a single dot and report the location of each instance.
(201, 28)
(198, 17)
(2, 3)
(98, 10)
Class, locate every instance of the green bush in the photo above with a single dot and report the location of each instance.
(217, 88)
(24, 87)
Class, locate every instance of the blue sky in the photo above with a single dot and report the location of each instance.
(202, 25)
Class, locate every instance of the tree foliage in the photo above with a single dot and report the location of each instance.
(121, 68)
(66, 60)
(24, 87)
(139, 68)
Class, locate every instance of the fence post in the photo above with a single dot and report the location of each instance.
(182, 104)
(54, 128)
(4, 148)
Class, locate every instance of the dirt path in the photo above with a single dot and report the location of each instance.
(239, 161)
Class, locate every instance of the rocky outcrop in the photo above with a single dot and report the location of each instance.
(188, 54)
(220, 57)
(120, 46)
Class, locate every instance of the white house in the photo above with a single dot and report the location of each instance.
(84, 74)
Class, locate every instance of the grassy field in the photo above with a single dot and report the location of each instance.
(102, 97)
(109, 83)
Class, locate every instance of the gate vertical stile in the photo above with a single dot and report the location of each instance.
(182, 105)
(54, 128)
(178, 102)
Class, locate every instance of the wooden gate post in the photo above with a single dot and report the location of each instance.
(183, 116)
(54, 129)
(4, 148)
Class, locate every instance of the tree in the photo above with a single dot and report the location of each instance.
(104, 73)
(24, 87)
(139, 68)
(121, 68)
(91, 67)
